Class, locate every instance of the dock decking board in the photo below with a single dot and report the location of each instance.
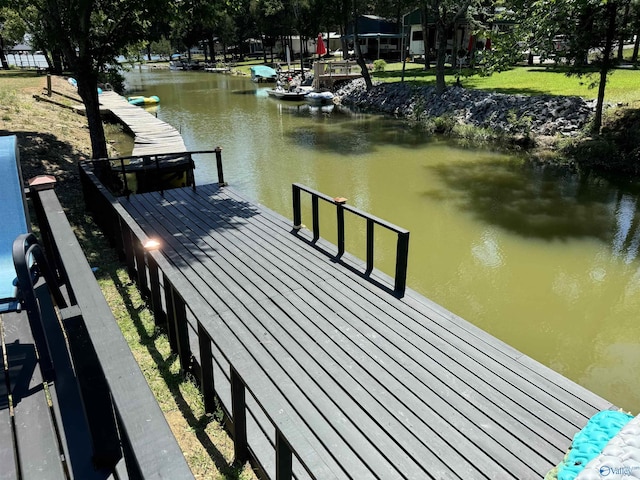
(382, 387)
(151, 135)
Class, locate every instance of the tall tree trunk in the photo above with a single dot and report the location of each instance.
(636, 47)
(212, 49)
(356, 45)
(88, 91)
(3, 58)
(264, 50)
(621, 37)
(424, 20)
(611, 11)
(441, 52)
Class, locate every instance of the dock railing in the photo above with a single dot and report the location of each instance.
(402, 246)
(179, 309)
(124, 417)
(156, 164)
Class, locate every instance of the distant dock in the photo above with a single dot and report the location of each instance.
(152, 136)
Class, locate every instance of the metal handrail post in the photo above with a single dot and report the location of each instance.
(221, 181)
(315, 213)
(340, 219)
(370, 245)
(402, 257)
(297, 213)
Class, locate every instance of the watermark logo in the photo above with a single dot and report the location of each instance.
(606, 471)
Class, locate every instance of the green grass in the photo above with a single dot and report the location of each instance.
(623, 84)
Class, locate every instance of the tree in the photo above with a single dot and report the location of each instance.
(581, 33)
(12, 30)
(446, 14)
(91, 34)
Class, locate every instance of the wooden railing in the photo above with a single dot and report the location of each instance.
(122, 413)
(178, 308)
(402, 247)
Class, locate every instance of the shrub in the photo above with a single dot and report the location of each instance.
(379, 65)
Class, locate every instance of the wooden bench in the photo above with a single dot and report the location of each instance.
(73, 401)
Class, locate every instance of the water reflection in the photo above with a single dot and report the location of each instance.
(541, 201)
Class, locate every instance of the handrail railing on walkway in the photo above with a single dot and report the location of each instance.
(172, 298)
(402, 249)
(122, 413)
(131, 163)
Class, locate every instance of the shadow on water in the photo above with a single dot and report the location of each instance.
(543, 201)
(356, 137)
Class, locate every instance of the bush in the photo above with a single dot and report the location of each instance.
(379, 65)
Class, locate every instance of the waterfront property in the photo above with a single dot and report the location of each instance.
(323, 365)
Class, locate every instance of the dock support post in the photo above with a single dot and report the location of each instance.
(207, 381)
(239, 412)
(156, 298)
(182, 330)
(171, 324)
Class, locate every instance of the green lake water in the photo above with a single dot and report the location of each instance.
(542, 258)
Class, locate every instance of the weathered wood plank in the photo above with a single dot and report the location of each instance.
(151, 135)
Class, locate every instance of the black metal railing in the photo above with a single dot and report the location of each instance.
(402, 248)
(177, 308)
(113, 387)
(152, 165)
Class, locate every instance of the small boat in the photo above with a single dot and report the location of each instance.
(152, 100)
(319, 98)
(262, 73)
(283, 94)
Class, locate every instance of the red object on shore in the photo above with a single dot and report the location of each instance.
(320, 48)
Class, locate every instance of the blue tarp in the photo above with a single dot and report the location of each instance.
(14, 220)
(263, 71)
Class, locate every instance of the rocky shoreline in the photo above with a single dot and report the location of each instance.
(544, 115)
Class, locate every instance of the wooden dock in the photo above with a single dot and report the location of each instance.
(151, 135)
(330, 74)
(321, 370)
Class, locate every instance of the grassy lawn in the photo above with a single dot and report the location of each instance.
(623, 84)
